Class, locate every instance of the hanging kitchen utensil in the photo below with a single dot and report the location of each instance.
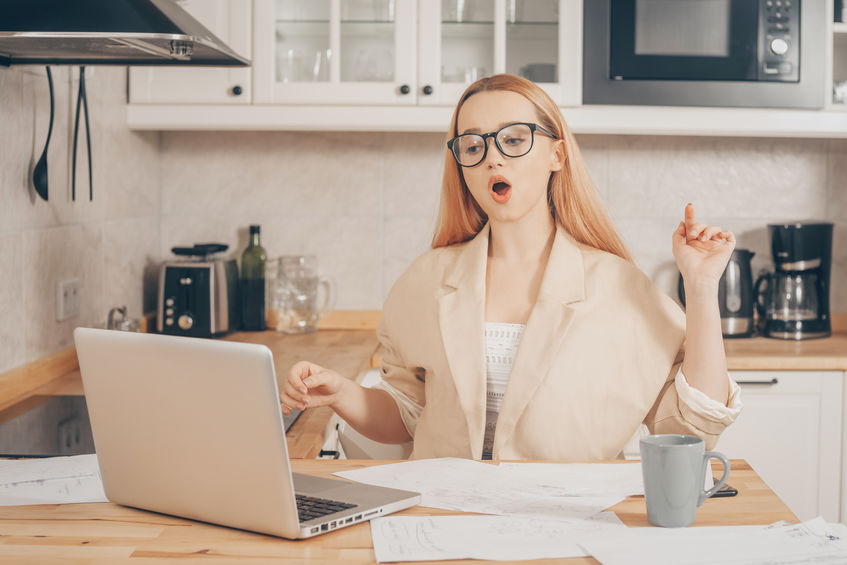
(83, 99)
(39, 172)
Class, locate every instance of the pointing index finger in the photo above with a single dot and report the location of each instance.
(689, 213)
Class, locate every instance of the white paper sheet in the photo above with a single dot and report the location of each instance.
(580, 479)
(53, 480)
(499, 538)
(814, 541)
(472, 486)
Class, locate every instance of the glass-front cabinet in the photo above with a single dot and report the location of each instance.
(335, 51)
(462, 40)
(342, 54)
(406, 52)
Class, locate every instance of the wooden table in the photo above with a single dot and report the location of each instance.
(110, 534)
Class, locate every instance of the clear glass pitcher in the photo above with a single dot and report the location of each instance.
(788, 296)
(296, 294)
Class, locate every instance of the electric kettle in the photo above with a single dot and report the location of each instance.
(735, 295)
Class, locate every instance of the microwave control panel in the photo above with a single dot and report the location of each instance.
(779, 40)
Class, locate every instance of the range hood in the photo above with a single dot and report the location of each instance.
(107, 32)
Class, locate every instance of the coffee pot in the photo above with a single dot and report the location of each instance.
(793, 300)
(735, 295)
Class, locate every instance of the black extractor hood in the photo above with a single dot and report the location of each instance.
(107, 32)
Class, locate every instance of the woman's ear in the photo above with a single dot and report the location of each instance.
(558, 155)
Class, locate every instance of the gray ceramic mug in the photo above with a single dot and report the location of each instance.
(674, 468)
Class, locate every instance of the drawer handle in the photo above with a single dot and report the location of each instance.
(773, 381)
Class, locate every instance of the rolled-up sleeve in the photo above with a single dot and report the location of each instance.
(682, 409)
(697, 405)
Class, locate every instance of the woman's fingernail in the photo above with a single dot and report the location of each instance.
(304, 391)
(307, 381)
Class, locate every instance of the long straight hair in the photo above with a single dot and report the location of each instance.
(571, 195)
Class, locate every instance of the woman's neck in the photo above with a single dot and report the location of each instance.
(525, 241)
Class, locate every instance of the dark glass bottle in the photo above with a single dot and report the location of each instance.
(253, 283)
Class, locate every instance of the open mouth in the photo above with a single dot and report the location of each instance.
(500, 188)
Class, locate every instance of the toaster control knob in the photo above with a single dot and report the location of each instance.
(185, 322)
(779, 46)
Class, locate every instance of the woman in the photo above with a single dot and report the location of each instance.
(527, 332)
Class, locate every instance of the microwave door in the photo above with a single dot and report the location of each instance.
(703, 40)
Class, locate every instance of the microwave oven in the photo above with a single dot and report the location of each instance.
(745, 53)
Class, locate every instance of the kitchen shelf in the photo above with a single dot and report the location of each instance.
(623, 120)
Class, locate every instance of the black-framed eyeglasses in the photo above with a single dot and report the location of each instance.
(512, 140)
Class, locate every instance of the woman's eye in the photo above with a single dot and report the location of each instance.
(512, 140)
(472, 149)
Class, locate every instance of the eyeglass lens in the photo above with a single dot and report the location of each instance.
(513, 140)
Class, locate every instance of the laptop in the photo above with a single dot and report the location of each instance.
(193, 428)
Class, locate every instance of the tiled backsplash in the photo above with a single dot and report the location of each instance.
(364, 203)
(109, 244)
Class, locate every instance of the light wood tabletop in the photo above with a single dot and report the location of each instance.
(105, 533)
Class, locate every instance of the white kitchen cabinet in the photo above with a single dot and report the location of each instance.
(790, 431)
(231, 21)
(400, 65)
(408, 52)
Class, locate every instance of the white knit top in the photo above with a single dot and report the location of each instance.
(501, 346)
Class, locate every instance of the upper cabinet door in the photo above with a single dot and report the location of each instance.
(335, 52)
(230, 20)
(463, 40)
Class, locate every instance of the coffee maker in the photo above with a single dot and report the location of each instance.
(794, 301)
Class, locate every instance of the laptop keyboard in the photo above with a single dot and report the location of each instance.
(309, 508)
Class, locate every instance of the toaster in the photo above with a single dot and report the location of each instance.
(198, 295)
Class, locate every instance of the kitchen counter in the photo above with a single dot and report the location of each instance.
(765, 354)
(109, 533)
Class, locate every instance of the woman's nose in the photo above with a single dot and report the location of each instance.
(492, 156)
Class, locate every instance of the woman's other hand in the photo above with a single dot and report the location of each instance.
(701, 251)
(310, 385)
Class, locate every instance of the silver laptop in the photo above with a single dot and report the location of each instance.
(193, 428)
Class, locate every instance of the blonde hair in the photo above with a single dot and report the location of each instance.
(571, 195)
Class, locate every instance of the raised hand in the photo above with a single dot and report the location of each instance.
(701, 251)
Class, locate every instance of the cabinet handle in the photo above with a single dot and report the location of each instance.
(404, 89)
(237, 90)
(773, 381)
(427, 90)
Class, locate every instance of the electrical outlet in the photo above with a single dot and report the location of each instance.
(67, 299)
(69, 435)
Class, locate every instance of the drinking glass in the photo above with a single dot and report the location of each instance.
(296, 294)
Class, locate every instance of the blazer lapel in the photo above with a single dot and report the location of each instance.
(562, 286)
(461, 316)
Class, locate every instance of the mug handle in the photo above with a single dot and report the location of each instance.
(329, 298)
(706, 457)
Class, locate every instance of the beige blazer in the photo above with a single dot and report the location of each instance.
(598, 357)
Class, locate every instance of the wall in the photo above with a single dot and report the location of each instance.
(365, 203)
(110, 244)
